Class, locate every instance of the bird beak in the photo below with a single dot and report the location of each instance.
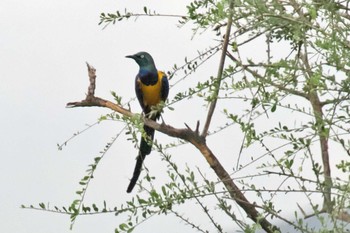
(131, 56)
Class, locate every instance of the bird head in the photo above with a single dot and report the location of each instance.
(143, 59)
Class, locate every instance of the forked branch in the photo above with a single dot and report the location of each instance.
(186, 134)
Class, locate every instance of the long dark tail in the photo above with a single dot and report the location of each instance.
(145, 149)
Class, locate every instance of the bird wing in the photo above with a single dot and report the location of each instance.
(138, 91)
(164, 91)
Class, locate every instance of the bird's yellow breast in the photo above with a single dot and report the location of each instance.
(152, 93)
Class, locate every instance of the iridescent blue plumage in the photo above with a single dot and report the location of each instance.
(151, 87)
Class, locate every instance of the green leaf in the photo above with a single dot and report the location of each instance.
(42, 205)
(95, 207)
(312, 12)
(123, 227)
(142, 201)
(164, 190)
(273, 109)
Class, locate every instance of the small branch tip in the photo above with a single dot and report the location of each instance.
(188, 127)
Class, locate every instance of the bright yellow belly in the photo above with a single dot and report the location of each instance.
(151, 94)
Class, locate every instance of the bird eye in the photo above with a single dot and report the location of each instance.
(142, 56)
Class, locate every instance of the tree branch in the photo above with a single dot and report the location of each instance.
(321, 131)
(186, 134)
(220, 71)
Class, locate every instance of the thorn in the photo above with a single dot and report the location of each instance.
(163, 122)
(301, 209)
(188, 127)
(197, 127)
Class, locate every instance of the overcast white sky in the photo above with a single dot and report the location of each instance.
(43, 48)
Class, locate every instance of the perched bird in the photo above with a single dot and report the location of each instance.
(151, 88)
